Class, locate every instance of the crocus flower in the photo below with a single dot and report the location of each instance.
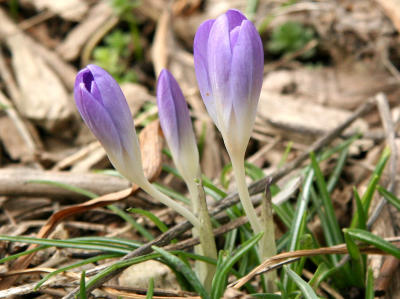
(229, 61)
(104, 109)
(177, 126)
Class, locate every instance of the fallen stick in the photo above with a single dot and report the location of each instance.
(25, 182)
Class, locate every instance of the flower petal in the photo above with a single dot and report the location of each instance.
(167, 109)
(200, 47)
(114, 101)
(98, 120)
(235, 18)
(176, 124)
(219, 64)
(246, 77)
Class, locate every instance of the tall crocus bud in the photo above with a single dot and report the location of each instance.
(177, 127)
(229, 62)
(104, 109)
(175, 122)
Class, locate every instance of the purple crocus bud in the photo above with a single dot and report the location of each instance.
(104, 109)
(229, 62)
(177, 127)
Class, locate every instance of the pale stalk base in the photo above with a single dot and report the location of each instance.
(266, 247)
(207, 245)
(268, 240)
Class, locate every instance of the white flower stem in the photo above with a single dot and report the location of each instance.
(266, 247)
(207, 245)
(151, 190)
(240, 177)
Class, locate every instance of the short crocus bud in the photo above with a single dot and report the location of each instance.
(104, 109)
(229, 61)
(177, 126)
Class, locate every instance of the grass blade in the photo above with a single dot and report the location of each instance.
(357, 276)
(304, 287)
(225, 265)
(184, 269)
(75, 265)
(65, 186)
(337, 170)
(362, 218)
(17, 255)
(390, 197)
(376, 175)
(65, 244)
(82, 289)
(297, 229)
(333, 225)
(141, 230)
(161, 225)
(369, 290)
(150, 290)
(378, 242)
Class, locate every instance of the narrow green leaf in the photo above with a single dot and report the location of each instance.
(297, 229)
(390, 197)
(283, 215)
(64, 186)
(213, 190)
(65, 244)
(357, 261)
(184, 269)
(172, 193)
(120, 265)
(334, 229)
(225, 265)
(82, 288)
(254, 172)
(340, 147)
(376, 175)
(137, 226)
(201, 141)
(340, 163)
(372, 239)
(150, 290)
(362, 218)
(17, 255)
(111, 172)
(119, 242)
(369, 290)
(75, 265)
(318, 275)
(224, 180)
(304, 287)
(266, 296)
(324, 223)
(298, 224)
(366, 199)
(161, 225)
(285, 154)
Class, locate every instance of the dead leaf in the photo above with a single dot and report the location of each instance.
(391, 8)
(70, 48)
(72, 10)
(44, 98)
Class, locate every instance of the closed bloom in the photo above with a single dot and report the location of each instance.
(104, 109)
(229, 61)
(177, 127)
